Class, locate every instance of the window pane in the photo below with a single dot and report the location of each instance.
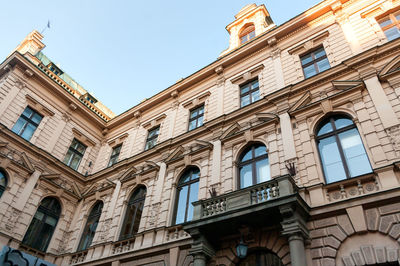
(255, 95)
(392, 33)
(331, 161)
(68, 157)
(51, 221)
(398, 17)
(3, 180)
(81, 148)
(252, 35)
(192, 124)
(385, 23)
(342, 122)
(260, 150)
(246, 177)
(309, 71)
(180, 213)
(243, 39)
(325, 129)
(254, 85)
(201, 110)
(319, 53)
(244, 89)
(263, 172)
(323, 64)
(306, 59)
(194, 191)
(193, 113)
(200, 121)
(138, 215)
(247, 156)
(356, 158)
(245, 101)
(36, 118)
(28, 112)
(130, 212)
(19, 125)
(76, 159)
(28, 132)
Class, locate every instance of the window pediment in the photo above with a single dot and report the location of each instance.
(309, 44)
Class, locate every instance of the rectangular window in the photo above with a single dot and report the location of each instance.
(114, 155)
(152, 138)
(27, 123)
(74, 154)
(249, 93)
(314, 62)
(196, 117)
(390, 25)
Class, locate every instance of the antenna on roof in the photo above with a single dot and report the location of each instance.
(47, 26)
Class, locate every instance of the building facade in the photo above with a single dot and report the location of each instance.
(288, 145)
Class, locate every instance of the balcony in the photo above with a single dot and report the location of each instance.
(274, 206)
(259, 195)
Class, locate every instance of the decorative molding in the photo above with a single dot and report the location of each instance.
(154, 212)
(250, 74)
(304, 100)
(177, 153)
(394, 136)
(154, 122)
(118, 140)
(196, 100)
(43, 110)
(309, 44)
(235, 127)
(81, 137)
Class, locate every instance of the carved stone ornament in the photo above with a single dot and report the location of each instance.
(64, 241)
(105, 229)
(155, 210)
(12, 220)
(394, 136)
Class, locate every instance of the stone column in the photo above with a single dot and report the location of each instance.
(297, 250)
(295, 229)
(201, 249)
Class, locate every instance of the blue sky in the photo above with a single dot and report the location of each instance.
(125, 51)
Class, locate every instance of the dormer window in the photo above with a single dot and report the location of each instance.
(89, 98)
(53, 68)
(248, 33)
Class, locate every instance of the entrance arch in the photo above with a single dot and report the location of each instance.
(261, 258)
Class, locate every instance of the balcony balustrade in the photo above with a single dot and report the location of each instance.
(246, 197)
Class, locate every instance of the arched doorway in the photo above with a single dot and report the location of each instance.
(261, 258)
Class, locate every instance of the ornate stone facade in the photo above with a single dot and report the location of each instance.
(298, 214)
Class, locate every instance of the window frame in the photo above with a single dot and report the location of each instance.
(196, 117)
(28, 120)
(251, 162)
(113, 156)
(95, 214)
(335, 132)
(5, 177)
(314, 60)
(246, 32)
(138, 202)
(75, 152)
(47, 212)
(394, 22)
(179, 187)
(249, 92)
(154, 137)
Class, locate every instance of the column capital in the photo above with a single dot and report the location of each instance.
(294, 222)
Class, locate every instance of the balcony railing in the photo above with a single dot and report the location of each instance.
(257, 194)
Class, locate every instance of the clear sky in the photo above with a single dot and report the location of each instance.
(125, 51)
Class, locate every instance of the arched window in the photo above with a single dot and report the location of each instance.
(43, 224)
(253, 166)
(133, 213)
(341, 150)
(187, 192)
(90, 227)
(3, 182)
(261, 258)
(248, 33)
